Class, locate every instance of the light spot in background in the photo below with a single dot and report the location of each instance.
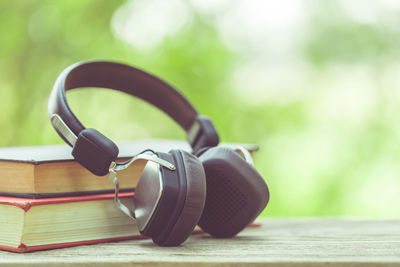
(211, 7)
(257, 82)
(291, 159)
(266, 27)
(347, 95)
(6, 108)
(360, 11)
(304, 156)
(393, 5)
(300, 165)
(266, 34)
(131, 128)
(371, 12)
(39, 28)
(391, 84)
(376, 190)
(145, 23)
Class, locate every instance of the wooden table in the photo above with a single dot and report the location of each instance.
(278, 242)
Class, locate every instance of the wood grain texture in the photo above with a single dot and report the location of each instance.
(278, 242)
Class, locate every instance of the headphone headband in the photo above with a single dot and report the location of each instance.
(124, 78)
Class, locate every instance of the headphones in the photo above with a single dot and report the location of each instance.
(214, 186)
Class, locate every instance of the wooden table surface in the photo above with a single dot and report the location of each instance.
(278, 242)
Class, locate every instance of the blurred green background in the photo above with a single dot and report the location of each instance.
(315, 83)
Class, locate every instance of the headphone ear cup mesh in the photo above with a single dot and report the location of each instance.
(236, 193)
(224, 198)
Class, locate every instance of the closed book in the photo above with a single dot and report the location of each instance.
(38, 224)
(50, 171)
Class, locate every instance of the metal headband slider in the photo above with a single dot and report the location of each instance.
(115, 167)
(143, 155)
(63, 129)
(245, 154)
(202, 134)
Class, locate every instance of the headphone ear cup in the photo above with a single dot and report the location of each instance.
(195, 199)
(180, 204)
(236, 193)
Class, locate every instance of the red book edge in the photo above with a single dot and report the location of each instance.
(23, 248)
(26, 204)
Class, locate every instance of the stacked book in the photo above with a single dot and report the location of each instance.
(48, 200)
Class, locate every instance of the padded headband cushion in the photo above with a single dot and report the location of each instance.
(122, 78)
(236, 192)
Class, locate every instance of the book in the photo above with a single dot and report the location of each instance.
(38, 224)
(50, 171)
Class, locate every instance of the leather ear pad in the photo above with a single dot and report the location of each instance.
(236, 193)
(182, 200)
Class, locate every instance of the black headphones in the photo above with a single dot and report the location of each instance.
(214, 187)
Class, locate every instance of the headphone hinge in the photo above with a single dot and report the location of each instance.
(202, 133)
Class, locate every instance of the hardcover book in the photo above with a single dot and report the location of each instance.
(38, 224)
(50, 171)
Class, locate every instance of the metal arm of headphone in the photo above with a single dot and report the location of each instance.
(115, 167)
